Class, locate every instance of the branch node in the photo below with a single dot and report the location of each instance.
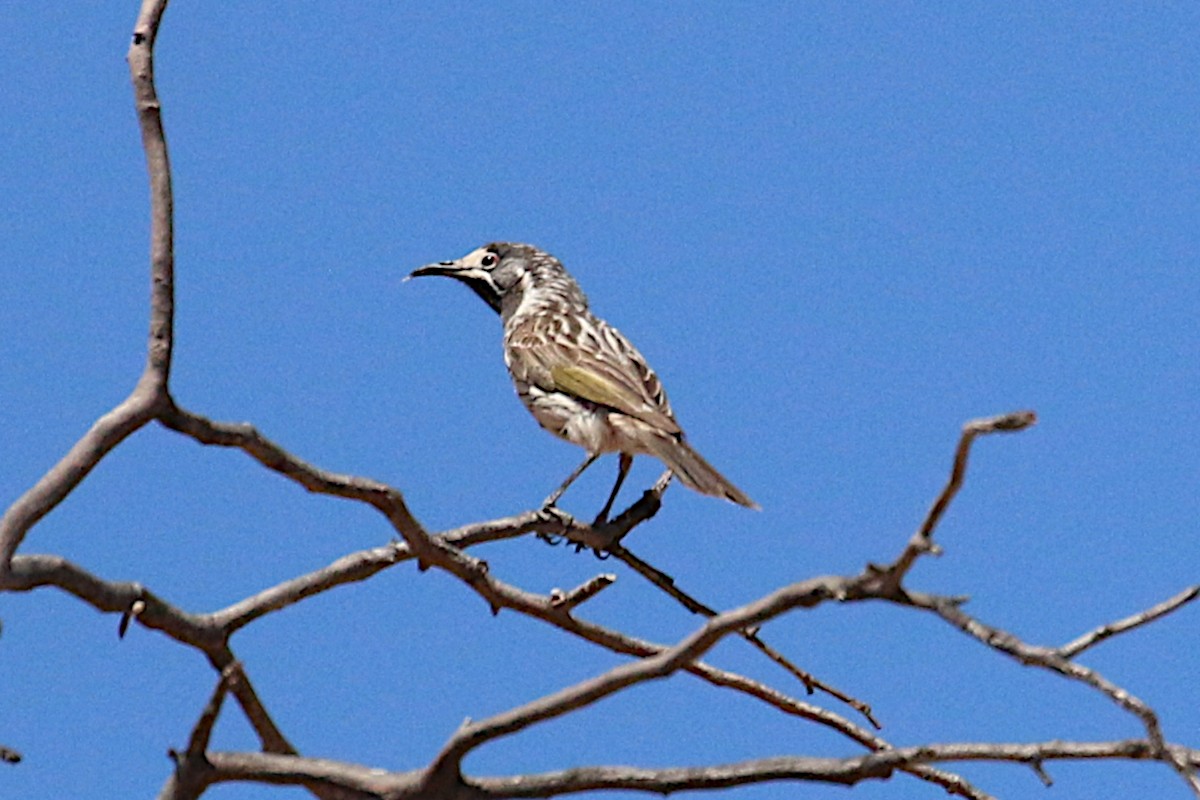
(1039, 769)
(198, 742)
(133, 612)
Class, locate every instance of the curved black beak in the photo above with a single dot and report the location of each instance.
(448, 268)
(478, 280)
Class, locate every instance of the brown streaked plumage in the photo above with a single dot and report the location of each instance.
(579, 377)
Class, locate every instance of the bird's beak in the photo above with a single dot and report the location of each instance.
(449, 268)
(476, 278)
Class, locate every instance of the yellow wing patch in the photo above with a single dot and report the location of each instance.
(593, 386)
(589, 385)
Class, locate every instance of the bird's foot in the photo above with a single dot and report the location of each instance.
(553, 513)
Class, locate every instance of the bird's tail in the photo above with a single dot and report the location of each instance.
(697, 473)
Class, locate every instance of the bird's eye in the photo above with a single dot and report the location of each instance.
(489, 260)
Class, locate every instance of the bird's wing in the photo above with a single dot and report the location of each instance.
(600, 365)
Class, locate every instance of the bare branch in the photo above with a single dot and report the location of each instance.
(201, 632)
(284, 770)
(53, 487)
(500, 595)
(33, 571)
(324, 777)
(667, 583)
(893, 575)
(661, 580)
(207, 632)
(812, 681)
(847, 771)
(150, 394)
(568, 601)
(470, 736)
(922, 541)
(347, 569)
(162, 204)
(270, 737)
(198, 742)
(193, 773)
(645, 508)
(1050, 659)
(362, 565)
(1097, 635)
(386, 499)
(247, 438)
(182, 785)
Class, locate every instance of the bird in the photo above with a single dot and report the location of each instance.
(577, 375)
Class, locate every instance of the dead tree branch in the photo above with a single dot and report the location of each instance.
(668, 585)
(149, 396)
(376, 783)
(1050, 659)
(922, 541)
(1107, 631)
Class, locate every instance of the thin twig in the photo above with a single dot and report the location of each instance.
(568, 601)
(1050, 659)
(667, 584)
(1097, 635)
(202, 732)
(468, 737)
(922, 541)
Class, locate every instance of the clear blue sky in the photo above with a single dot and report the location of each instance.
(838, 232)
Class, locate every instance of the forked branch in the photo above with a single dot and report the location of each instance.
(150, 395)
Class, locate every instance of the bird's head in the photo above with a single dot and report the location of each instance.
(501, 272)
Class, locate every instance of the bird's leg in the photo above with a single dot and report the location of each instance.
(623, 465)
(557, 493)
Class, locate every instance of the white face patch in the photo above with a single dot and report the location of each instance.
(476, 258)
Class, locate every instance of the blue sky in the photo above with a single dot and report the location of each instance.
(837, 233)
